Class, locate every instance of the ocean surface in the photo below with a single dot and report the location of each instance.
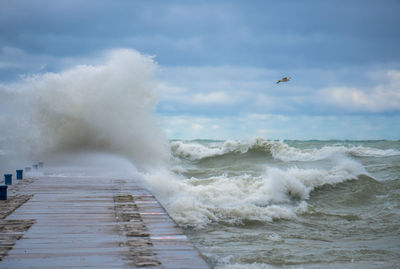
(267, 204)
(287, 204)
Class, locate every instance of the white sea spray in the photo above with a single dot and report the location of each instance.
(108, 107)
(233, 199)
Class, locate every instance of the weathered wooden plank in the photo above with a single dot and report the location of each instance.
(95, 222)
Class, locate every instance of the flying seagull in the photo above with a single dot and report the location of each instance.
(285, 79)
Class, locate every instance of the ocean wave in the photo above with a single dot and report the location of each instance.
(287, 153)
(277, 194)
(372, 152)
(195, 151)
(228, 265)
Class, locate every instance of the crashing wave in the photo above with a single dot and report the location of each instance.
(105, 107)
(279, 150)
(277, 194)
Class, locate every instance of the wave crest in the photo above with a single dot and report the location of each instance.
(277, 194)
(279, 150)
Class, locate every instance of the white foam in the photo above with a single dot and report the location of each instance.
(278, 149)
(373, 152)
(194, 151)
(285, 153)
(234, 199)
(106, 107)
(246, 266)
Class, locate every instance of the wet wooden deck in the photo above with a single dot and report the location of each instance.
(95, 222)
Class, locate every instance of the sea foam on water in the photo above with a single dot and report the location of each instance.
(277, 149)
(279, 193)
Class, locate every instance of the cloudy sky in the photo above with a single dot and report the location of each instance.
(219, 61)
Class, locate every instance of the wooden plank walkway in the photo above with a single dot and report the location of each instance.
(95, 222)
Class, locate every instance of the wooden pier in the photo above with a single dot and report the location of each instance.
(91, 222)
